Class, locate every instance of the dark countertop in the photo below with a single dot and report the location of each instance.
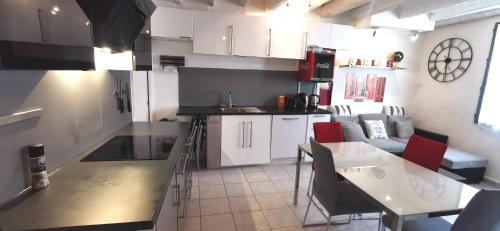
(266, 110)
(107, 195)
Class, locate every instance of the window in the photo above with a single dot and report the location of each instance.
(488, 109)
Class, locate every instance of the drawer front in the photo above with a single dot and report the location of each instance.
(288, 131)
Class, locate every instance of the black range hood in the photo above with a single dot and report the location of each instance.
(62, 34)
(116, 23)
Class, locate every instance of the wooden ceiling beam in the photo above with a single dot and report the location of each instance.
(273, 4)
(336, 7)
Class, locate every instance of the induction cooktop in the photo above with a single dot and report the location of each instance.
(121, 148)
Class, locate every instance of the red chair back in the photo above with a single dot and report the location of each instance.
(327, 132)
(425, 152)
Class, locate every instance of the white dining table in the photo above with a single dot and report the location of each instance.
(399, 187)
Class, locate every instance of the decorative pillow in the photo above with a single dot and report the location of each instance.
(394, 110)
(391, 124)
(375, 129)
(405, 129)
(341, 110)
(371, 116)
(352, 132)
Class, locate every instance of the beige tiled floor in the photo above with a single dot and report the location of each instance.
(254, 198)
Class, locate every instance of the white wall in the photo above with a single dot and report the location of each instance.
(449, 108)
(398, 89)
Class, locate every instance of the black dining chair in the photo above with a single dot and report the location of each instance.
(337, 197)
(481, 214)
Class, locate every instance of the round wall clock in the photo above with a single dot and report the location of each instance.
(450, 59)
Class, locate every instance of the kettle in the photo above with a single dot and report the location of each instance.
(313, 101)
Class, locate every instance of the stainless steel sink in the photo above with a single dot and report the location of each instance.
(240, 109)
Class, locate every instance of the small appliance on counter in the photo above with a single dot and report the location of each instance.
(281, 101)
(290, 101)
(313, 101)
(301, 100)
(318, 65)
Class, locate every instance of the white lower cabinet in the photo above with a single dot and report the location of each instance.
(245, 139)
(315, 118)
(288, 132)
(311, 119)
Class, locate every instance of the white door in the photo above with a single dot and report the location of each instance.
(288, 38)
(341, 37)
(213, 33)
(259, 139)
(172, 23)
(252, 36)
(319, 34)
(139, 94)
(233, 140)
(288, 131)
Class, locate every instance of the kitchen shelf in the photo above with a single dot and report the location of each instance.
(371, 67)
(20, 116)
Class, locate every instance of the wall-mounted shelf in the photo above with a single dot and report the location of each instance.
(20, 116)
(371, 67)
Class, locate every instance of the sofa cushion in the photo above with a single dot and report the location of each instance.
(352, 132)
(371, 116)
(387, 145)
(375, 129)
(343, 119)
(456, 159)
(405, 129)
(397, 139)
(391, 124)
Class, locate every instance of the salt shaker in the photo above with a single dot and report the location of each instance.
(39, 177)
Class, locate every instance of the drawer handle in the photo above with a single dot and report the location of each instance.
(290, 118)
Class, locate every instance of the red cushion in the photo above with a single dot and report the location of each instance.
(327, 132)
(425, 152)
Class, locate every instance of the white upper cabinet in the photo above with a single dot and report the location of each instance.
(341, 37)
(329, 35)
(213, 33)
(288, 37)
(319, 34)
(172, 23)
(252, 36)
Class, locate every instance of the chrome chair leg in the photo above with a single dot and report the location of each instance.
(329, 221)
(310, 183)
(307, 211)
(380, 222)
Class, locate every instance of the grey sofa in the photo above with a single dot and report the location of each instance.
(468, 165)
(394, 144)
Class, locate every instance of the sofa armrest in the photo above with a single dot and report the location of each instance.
(432, 135)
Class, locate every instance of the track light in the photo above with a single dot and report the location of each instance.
(414, 36)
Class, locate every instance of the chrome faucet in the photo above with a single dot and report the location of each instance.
(230, 100)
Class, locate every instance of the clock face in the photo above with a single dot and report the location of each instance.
(450, 59)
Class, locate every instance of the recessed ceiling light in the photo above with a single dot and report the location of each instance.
(55, 9)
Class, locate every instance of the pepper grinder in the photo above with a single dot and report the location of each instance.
(39, 176)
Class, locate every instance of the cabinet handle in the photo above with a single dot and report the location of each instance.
(230, 39)
(318, 116)
(243, 135)
(185, 37)
(306, 35)
(251, 133)
(177, 194)
(270, 42)
(43, 25)
(294, 118)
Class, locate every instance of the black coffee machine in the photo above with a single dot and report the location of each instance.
(302, 100)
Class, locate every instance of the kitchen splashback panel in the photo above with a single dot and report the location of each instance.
(210, 86)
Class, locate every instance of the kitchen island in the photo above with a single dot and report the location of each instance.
(104, 195)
